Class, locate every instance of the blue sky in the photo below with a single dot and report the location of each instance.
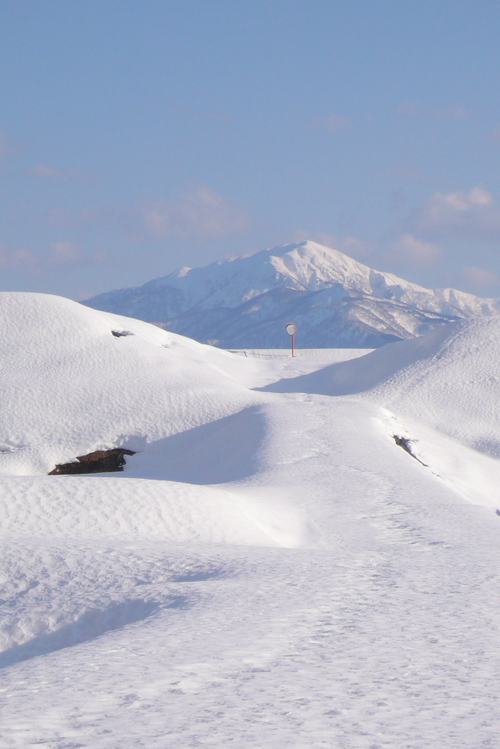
(137, 136)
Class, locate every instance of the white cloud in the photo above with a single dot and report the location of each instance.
(199, 212)
(471, 215)
(356, 247)
(63, 254)
(480, 276)
(460, 201)
(414, 252)
(332, 123)
(67, 253)
(19, 259)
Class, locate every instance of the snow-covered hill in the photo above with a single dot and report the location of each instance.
(271, 569)
(335, 301)
(69, 386)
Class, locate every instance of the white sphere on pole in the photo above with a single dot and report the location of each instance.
(291, 329)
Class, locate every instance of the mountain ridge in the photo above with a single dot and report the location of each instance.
(335, 300)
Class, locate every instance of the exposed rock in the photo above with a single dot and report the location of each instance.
(121, 333)
(406, 443)
(101, 461)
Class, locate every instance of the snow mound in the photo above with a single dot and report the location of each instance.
(106, 508)
(447, 379)
(71, 385)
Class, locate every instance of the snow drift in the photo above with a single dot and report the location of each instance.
(447, 379)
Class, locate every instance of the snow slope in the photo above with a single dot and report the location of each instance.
(271, 569)
(448, 379)
(69, 386)
(444, 387)
(335, 301)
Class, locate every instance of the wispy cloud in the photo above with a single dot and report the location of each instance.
(43, 171)
(198, 213)
(63, 254)
(414, 252)
(331, 123)
(69, 254)
(480, 276)
(18, 259)
(471, 215)
(52, 173)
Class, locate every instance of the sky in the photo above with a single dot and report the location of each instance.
(139, 136)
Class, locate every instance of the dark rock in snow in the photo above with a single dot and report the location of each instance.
(101, 461)
(405, 443)
(120, 333)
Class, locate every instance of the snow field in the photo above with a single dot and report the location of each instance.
(270, 569)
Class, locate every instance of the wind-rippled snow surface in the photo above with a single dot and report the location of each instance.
(271, 569)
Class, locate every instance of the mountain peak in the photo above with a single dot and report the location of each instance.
(336, 301)
(314, 266)
(312, 252)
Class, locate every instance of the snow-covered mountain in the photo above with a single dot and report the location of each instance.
(334, 300)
